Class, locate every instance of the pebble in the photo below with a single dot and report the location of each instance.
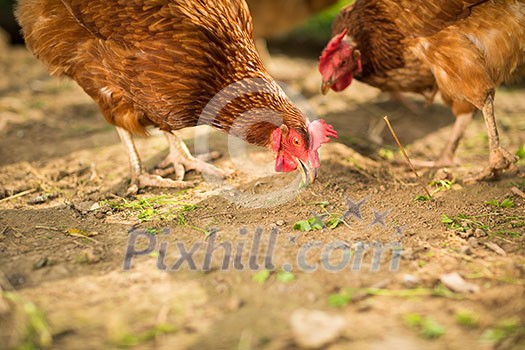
(466, 249)
(40, 263)
(456, 283)
(314, 329)
(410, 281)
(479, 233)
(473, 242)
(280, 223)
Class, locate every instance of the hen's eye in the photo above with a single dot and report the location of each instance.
(296, 141)
(344, 63)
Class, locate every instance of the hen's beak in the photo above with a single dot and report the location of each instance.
(326, 86)
(308, 173)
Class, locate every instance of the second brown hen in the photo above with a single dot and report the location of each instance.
(464, 49)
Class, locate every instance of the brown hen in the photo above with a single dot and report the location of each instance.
(463, 49)
(172, 64)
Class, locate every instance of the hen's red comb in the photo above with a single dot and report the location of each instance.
(332, 46)
(319, 132)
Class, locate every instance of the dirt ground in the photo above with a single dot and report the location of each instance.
(447, 273)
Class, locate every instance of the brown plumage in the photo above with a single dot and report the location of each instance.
(162, 62)
(463, 49)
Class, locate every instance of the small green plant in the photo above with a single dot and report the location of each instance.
(340, 299)
(327, 219)
(285, 276)
(504, 329)
(427, 327)
(37, 330)
(437, 186)
(441, 185)
(506, 203)
(261, 276)
(521, 152)
(312, 224)
(386, 154)
(467, 319)
(422, 198)
(129, 339)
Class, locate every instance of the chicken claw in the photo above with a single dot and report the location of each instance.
(180, 160)
(141, 179)
(499, 160)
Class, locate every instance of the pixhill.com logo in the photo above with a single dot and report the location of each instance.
(257, 249)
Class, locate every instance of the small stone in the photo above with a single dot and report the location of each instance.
(40, 263)
(94, 207)
(456, 283)
(466, 249)
(89, 256)
(410, 281)
(479, 233)
(314, 329)
(280, 222)
(495, 248)
(473, 242)
(468, 233)
(100, 215)
(84, 207)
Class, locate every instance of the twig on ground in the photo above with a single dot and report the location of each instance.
(49, 228)
(406, 157)
(19, 194)
(518, 192)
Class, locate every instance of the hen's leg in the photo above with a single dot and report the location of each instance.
(180, 160)
(499, 158)
(138, 177)
(447, 157)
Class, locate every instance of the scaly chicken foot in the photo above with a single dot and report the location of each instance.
(139, 178)
(180, 160)
(499, 159)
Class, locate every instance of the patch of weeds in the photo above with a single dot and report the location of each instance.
(463, 223)
(427, 327)
(133, 339)
(467, 319)
(261, 276)
(503, 330)
(156, 208)
(494, 223)
(345, 296)
(37, 332)
(506, 203)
